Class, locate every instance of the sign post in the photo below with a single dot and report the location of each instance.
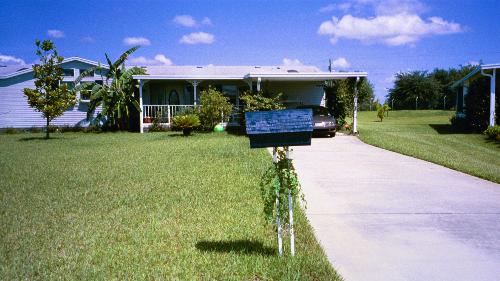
(281, 128)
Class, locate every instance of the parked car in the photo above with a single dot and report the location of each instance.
(324, 122)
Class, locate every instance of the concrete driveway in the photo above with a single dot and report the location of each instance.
(380, 215)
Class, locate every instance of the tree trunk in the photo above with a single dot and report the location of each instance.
(47, 130)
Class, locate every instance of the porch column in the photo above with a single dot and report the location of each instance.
(465, 92)
(141, 113)
(258, 83)
(355, 113)
(195, 96)
(492, 95)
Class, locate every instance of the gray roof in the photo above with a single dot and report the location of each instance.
(226, 70)
(8, 69)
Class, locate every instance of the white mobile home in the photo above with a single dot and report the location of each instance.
(167, 90)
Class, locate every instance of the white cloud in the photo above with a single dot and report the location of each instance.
(393, 30)
(291, 62)
(163, 59)
(189, 21)
(11, 60)
(340, 63)
(185, 20)
(87, 39)
(206, 21)
(159, 59)
(55, 33)
(132, 41)
(197, 38)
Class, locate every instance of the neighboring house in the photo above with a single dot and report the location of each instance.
(462, 86)
(14, 109)
(166, 90)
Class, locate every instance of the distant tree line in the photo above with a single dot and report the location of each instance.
(426, 90)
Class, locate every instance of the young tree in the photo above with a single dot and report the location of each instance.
(50, 96)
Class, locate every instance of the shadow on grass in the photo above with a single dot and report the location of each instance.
(447, 129)
(493, 142)
(238, 246)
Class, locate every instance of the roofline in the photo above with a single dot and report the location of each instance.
(309, 76)
(30, 68)
(474, 73)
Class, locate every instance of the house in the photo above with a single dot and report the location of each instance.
(167, 90)
(462, 85)
(14, 109)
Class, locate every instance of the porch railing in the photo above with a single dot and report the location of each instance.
(164, 113)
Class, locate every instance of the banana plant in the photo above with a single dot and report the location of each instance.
(115, 95)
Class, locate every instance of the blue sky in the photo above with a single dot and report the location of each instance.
(381, 37)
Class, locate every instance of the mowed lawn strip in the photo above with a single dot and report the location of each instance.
(150, 206)
(428, 135)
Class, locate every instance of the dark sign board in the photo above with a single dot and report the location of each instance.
(289, 127)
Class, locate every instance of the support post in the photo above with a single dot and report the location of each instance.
(141, 113)
(290, 210)
(278, 222)
(195, 96)
(355, 113)
(492, 95)
(464, 94)
(258, 83)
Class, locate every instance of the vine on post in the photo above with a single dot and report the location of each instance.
(278, 182)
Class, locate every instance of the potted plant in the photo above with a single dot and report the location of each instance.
(187, 123)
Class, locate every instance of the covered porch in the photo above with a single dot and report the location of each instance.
(162, 97)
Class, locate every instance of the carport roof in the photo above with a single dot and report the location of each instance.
(265, 73)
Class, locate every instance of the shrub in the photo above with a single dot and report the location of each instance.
(187, 123)
(459, 121)
(258, 101)
(156, 126)
(215, 108)
(493, 132)
(35, 130)
(381, 112)
(11, 131)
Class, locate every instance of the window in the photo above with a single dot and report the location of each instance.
(91, 74)
(68, 72)
(85, 94)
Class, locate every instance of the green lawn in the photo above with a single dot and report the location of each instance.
(428, 135)
(152, 206)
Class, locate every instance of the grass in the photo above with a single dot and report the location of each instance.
(428, 135)
(150, 206)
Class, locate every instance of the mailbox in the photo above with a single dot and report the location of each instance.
(289, 127)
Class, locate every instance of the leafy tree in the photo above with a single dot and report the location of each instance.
(412, 85)
(340, 97)
(215, 108)
(116, 94)
(51, 97)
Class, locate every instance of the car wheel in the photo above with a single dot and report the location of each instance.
(332, 135)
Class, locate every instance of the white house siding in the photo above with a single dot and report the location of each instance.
(296, 93)
(15, 111)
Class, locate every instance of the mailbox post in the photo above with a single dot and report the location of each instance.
(280, 128)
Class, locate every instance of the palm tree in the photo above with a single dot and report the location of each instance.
(115, 95)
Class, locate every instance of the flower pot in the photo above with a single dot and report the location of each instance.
(147, 119)
(187, 131)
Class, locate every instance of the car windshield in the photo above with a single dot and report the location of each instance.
(320, 111)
